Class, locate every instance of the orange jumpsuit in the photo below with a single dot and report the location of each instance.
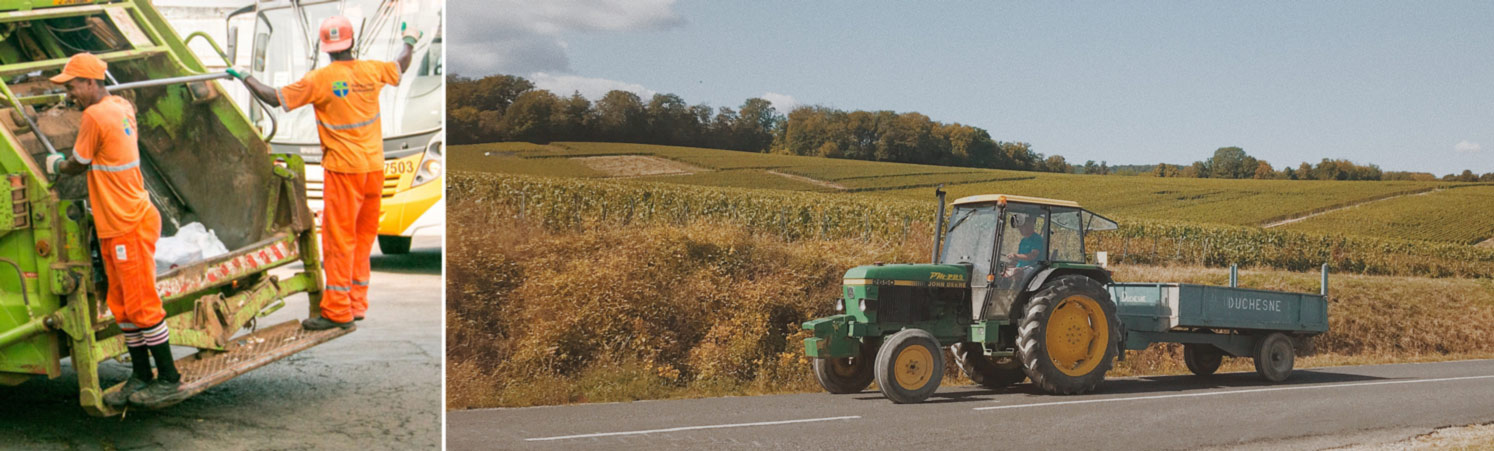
(128, 225)
(345, 95)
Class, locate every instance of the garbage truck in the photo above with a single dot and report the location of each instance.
(203, 162)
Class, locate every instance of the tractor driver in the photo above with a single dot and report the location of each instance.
(1030, 248)
(345, 95)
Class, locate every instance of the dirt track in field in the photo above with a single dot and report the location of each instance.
(637, 166)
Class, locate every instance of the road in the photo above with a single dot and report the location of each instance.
(376, 388)
(1314, 409)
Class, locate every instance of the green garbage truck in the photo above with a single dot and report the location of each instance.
(203, 162)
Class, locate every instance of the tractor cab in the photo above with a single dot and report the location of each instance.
(1008, 241)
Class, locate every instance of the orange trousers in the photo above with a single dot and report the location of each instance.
(130, 264)
(350, 223)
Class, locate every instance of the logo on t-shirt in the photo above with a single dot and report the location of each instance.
(128, 129)
(340, 88)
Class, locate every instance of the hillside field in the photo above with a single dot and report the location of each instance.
(1433, 211)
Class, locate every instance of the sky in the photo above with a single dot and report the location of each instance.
(1408, 86)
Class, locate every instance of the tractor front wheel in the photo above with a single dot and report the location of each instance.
(1067, 338)
(909, 366)
(1274, 357)
(846, 375)
(988, 372)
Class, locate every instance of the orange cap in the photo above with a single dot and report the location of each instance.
(337, 34)
(84, 65)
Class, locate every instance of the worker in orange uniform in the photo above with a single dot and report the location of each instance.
(128, 227)
(345, 94)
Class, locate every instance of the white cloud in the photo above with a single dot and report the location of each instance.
(591, 88)
(525, 36)
(784, 103)
(1466, 146)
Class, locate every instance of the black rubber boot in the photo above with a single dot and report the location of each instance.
(165, 365)
(120, 398)
(166, 390)
(320, 323)
(140, 363)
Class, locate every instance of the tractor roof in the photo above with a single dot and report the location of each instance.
(984, 198)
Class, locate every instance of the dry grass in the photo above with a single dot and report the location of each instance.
(1470, 437)
(602, 313)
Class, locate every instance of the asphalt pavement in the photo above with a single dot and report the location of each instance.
(376, 388)
(1314, 409)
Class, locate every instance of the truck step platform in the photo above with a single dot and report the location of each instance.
(203, 370)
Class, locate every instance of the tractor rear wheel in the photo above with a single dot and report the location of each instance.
(1067, 338)
(1274, 357)
(845, 375)
(909, 366)
(988, 372)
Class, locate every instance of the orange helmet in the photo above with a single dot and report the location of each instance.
(337, 34)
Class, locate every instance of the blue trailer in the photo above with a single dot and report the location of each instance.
(1213, 321)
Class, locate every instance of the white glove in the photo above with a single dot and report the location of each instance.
(54, 163)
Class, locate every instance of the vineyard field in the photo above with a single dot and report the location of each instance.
(1453, 215)
(1405, 205)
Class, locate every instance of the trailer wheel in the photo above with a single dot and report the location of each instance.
(1202, 359)
(988, 372)
(846, 375)
(909, 366)
(1067, 338)
(1274, 357)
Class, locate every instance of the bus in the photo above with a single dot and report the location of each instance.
(285, 46)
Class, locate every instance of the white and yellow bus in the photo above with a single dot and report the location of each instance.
(284, 48)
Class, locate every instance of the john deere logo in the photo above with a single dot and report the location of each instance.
(340, 88)
(129, 130)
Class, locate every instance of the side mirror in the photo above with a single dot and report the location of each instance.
(233, 45)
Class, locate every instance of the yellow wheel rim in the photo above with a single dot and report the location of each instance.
(913, 367)
(1077, 335)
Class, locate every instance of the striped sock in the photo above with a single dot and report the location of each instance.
(155, 335)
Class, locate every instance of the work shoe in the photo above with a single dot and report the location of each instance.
(320, 323)
(357, 318)
(121, 397)
(158, 394)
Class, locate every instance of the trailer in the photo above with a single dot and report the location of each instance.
(1212, 321)
(202, 160)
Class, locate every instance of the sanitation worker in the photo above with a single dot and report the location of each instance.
(128, 227)
(345, 95)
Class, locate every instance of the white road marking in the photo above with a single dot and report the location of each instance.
(692, 428)
(1232, 392)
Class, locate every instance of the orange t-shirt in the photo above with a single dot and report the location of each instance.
(346, 97)
(107, 142)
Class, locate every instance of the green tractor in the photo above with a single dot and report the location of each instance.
(1010, 292)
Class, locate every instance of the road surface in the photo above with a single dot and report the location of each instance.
(1314, 409)
(376, 388)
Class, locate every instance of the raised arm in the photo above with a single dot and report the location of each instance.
(411, 36)
(261, 91)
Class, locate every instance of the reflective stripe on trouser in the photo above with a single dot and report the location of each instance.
(129, 263)
(350, 222)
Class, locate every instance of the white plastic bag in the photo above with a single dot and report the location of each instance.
(192, 243)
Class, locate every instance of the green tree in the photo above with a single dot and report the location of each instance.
(620, 117)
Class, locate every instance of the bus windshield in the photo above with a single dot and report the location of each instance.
(286, 48)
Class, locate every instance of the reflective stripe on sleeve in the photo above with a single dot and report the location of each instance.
(122, 167)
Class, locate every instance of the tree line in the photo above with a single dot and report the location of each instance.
(511, 108)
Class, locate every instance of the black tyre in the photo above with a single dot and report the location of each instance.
(1068, 336)
(986, 371)
(845, 375)
(1274, 357)
(909, 366)
(394, 244)
(1202, 359)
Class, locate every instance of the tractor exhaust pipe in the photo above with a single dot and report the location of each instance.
(938, 224)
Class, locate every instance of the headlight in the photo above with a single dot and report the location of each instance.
(862, 305)
(430, 165)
